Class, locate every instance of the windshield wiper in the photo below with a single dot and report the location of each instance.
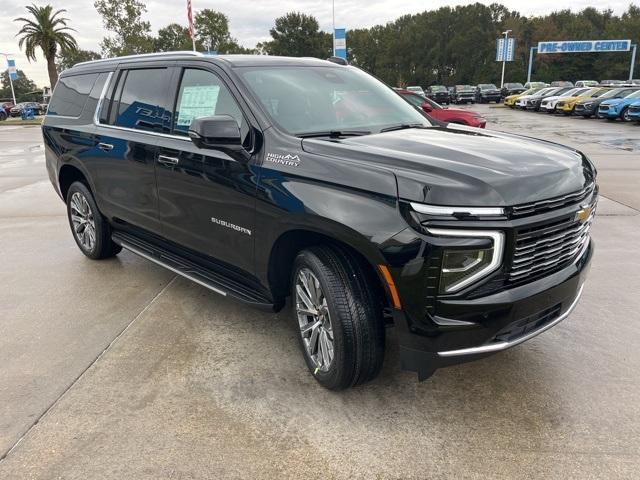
(334, 133)
(402, 126)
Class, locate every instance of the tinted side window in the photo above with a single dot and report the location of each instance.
(202, 94)
(71, 94)
(143, 102)
(96, 91)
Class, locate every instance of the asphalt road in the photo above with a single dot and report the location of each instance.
(116, 369)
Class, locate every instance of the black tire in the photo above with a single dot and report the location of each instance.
(624, 115)
(95, 225)
(355, 317)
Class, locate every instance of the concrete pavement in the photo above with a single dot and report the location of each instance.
(116, 370)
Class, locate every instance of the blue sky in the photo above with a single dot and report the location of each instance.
(250, 20)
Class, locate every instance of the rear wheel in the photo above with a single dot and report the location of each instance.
(90, 229)
(339, 317)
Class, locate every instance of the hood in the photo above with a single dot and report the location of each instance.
(458, 165)
(612, 101)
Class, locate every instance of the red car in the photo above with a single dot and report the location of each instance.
(444, 114)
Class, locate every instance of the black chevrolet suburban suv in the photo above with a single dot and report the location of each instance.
(280, 181)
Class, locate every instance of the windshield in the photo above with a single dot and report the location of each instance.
(438, 88)
(635, 94)
(315, 99)
(514, 85)
(464, 88)
(626, 93)
(487, 86)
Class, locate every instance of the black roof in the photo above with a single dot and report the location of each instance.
(231, 61)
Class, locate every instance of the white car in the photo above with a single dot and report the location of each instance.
(526, 100)
(417, 90)
(549, 104)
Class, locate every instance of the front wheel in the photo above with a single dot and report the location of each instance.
(90, 229)
(624, 115)
(339, 317)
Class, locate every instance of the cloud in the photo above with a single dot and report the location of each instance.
(250, 21)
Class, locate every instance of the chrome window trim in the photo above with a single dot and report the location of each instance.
(96, 119)
(496, 259)
(103, 93)
(496, 347)
(451, 211)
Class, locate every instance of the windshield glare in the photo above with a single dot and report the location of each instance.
(488, 86)
(317, 99)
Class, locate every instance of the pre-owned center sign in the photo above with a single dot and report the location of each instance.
(583, 46)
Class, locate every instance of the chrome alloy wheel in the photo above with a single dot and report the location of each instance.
(626, 117)
(84, 225)
(314, 320)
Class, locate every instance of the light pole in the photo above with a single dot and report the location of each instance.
(504, 54)
(13, 94)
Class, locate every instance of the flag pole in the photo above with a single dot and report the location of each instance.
(191, 30)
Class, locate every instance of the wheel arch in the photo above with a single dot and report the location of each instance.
(292, 241)
(71, 172)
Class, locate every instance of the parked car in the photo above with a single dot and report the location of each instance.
(549, 104)
(536, 85)
(487, 92)
(464, 94)
(511, 100)
(634, 111)
(589, 107)
(614, 108)
(611, 83)
(444, 114)
(439, 94)
(512, 89)
(6, 107)
(417, 90)
(587, 83)
(17, 110)
(533, 101)
(263, 177)
(563, 83)
(567, 105)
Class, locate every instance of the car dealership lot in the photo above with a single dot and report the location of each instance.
(116, 369)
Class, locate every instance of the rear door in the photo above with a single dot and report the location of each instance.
(136, 110)
(207, 196)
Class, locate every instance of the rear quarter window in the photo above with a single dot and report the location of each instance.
(70, 95)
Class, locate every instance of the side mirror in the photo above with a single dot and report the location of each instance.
(220, 131)
(426, 107)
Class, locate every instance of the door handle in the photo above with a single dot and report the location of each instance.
(169, 161)
(107, 147)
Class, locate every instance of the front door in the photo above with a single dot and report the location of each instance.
(206, 197)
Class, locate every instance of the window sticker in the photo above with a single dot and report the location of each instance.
(196, 102)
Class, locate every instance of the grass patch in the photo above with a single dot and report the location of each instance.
(19, 121)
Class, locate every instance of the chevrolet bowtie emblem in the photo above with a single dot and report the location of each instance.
(583, 214)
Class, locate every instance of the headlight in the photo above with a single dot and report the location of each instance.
(587, 105)
(462, 267)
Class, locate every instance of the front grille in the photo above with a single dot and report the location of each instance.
(634, 109)
(542, 206)
(603, 108)
(552, 246)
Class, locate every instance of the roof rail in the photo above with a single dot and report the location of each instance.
(143, 55)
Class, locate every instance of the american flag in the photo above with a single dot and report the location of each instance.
(190, 17)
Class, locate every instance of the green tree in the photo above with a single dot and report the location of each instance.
(298, 35)
(124, 19)
(21, 86)
(212, 29)
(47, 30)
(173, 37)
(69, 58)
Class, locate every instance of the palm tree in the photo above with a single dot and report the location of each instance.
(49, 31)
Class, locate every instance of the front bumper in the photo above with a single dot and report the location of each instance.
(585, 111)
(482, 326)
(608, 112)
